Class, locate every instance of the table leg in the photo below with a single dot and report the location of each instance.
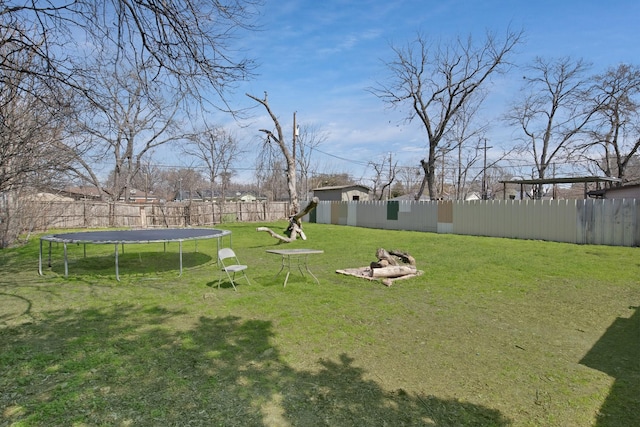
(282, 265)
(40, 260)
(300, 267)
(181, 258)
(306, 266)
(117, 272)
(66, 262)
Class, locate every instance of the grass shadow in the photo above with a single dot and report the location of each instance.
(617, 353)
(130, 263)
(131, 365)
(13, 307)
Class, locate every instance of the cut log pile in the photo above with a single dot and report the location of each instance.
(390, 266)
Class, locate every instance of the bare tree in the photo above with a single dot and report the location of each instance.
(553, 112)
(270, 176)
(217, 150)
(181, 184)
(31, 127)
(467, 157)
(435, 80)
(128, 119)
(183, 45)
(147, 177)
(309, 138)
(616, 128)
(465, 139)
(384, 175)
(287, 149)
(409, 176)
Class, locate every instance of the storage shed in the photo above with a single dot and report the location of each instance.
(344, 193)
(623, 192)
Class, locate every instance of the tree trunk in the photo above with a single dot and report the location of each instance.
(276, 235)
(295, 225)
(311, 206)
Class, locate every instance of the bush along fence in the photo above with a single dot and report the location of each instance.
(91, 214)
(613, 222)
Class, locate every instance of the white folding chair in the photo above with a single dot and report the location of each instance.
(232, 265)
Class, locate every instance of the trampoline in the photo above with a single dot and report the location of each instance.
(122, 237)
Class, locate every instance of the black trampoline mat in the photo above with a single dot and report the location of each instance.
(137, 236)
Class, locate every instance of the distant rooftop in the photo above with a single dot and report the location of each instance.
(565, 180)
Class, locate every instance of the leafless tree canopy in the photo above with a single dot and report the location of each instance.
(216, 150)
(614, 134)
(435, 80)
(121, 124)
(124, 65)
(183, 41)
(310, 137)
(385, 175)
(31, 130)
(31, 127)
(553, 110)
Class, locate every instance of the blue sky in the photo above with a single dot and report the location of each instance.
(318, 58)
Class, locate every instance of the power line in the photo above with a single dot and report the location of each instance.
(357, 162)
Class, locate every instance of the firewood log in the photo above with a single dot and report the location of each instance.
(393, 271)
(382, 254)
(404, 256)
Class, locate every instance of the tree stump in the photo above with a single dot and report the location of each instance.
(295, 225)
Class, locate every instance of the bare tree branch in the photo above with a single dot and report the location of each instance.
(185, 42)
(437, 80)
(552, 113)
(615, 132)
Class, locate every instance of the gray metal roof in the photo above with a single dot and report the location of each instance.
(565, 180)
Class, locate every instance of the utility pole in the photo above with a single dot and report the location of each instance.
(484, 171)
(555, 196)
(442, 177)
(295, 135)
(390, 174)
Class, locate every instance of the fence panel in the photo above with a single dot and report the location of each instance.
(371, 214)
(89, 214)
(631, 223)
(421, 216)
(610, 222)
(603, 222)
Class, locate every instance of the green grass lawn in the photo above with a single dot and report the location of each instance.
(496, 332)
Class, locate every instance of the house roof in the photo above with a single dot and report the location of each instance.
(566, 180)
(342, 187)
(622, 189)
(83, 190)
(411, 197)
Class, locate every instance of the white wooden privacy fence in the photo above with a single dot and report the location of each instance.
(614, 222)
